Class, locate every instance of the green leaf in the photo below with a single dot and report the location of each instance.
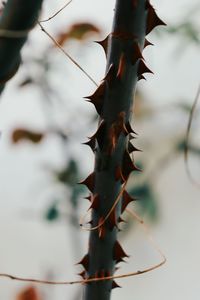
(147, 199)
(52, 213)
(191, 148)
(69, 175)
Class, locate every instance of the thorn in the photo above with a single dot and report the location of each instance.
(115, 285)
(104, 44)
(118, 253)
(89, 182)
(99, 134)
(132, 148)
(129, 129)
(122, 66)
(136, 53)
(152, 19)
(126, 199)
(91, 143)
(84, 262)
(95, 202)
(89, 197)
(132, 137)
(128, 165)
(142, 68)
(147, 43)
(97, 98)
(82, 274)
(148, 4)
(90, 223)
(141, 77)
(120, 220)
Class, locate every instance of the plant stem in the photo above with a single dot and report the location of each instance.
(112, 162)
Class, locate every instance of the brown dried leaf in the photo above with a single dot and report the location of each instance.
(78, 31)
(20, 134)
(26, 81)
(29, 293)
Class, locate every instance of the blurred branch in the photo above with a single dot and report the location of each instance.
(17, 19)
(187, 139)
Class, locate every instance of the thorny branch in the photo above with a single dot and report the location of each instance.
(108, 214)
(19, 34)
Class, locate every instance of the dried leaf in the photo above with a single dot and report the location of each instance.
(29, 293)
(78, 31)
(20, 134)
(26, 81)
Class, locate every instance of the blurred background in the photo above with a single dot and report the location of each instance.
(44, 122)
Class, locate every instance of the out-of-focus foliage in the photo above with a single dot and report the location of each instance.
(187, 29)
(29, 293)
(68, 177)
(191, 148)
(144, 112)
(147, 199)
(70, 174)
(52, 212)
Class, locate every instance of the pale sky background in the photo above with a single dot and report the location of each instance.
(31, 247)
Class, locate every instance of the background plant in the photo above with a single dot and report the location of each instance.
(83, 134)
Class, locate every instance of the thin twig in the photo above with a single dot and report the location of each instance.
(66, 54)
(56, 13)
(95, 279)
(146, 229)
(191, 178)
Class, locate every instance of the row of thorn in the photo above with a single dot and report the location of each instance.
(107, 135)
